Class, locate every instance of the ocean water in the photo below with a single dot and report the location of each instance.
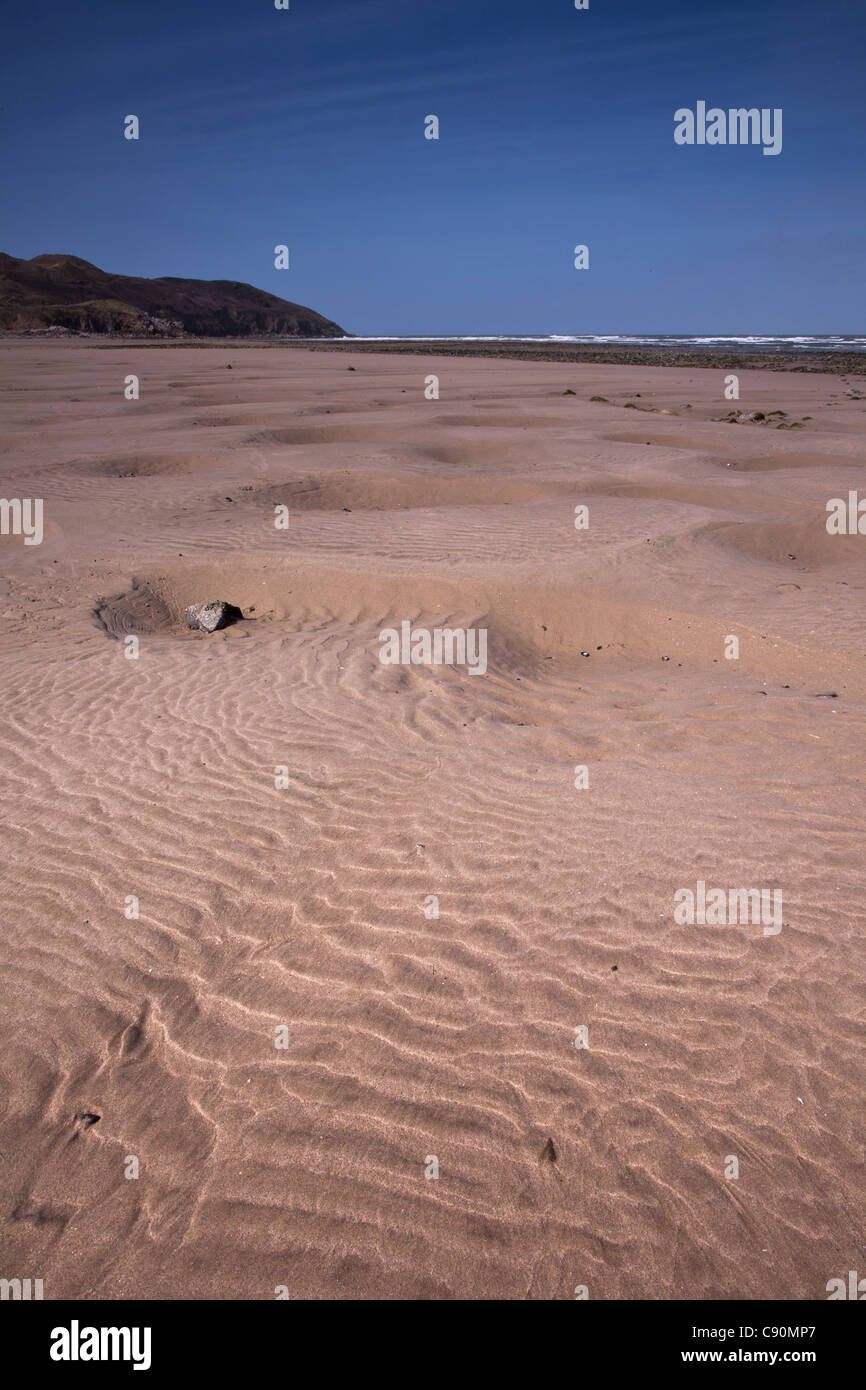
(822, 342)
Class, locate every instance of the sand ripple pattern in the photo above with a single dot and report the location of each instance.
(258, 907)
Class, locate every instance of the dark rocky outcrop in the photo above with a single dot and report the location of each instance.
(64, 292)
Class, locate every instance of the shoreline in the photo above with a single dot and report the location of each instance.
(779, 361)
(831, 361)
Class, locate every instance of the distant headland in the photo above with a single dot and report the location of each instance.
(66, 294)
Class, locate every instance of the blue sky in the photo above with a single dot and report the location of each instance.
(306, 127)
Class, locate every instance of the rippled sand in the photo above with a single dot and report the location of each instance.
(413, 1037)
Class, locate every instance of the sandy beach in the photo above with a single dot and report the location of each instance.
(413, 1018)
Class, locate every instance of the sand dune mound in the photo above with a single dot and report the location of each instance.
(258, 419)
(145, 465)
(696, 443)
(808, 543)
(357, 490)
(505, 421)
(332, 434)
(724, 499)
(579, 627)
(784, 459)
(468, 451)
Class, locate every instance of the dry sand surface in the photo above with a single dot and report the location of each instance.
(412, 1036)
